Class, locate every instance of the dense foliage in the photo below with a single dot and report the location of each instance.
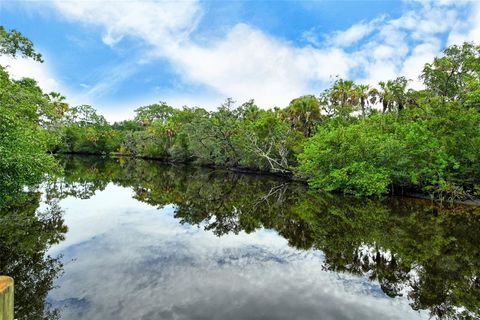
(425, 140)
(30, 122)
(353, 138)
(28, 119)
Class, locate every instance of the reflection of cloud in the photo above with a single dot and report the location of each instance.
(140, 263)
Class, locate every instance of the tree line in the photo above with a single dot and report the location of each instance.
(352, 138)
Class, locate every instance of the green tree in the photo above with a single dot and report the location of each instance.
(341, 100)
(24, 110)
(367, 97)
(85, 131)
(394, 95)
(212, 136)
(456, 75)
(13, 43)
(268, 142)
(146, 115)
(303, 114)
(23, 141)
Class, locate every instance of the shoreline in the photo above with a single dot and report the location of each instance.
(289, 176)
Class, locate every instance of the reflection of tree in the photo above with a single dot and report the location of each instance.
(431, 252)
(25, 236)
(85, 176)
(408, 246)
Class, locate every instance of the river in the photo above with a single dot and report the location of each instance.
(134, 239)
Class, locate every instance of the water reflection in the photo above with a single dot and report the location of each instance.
(26, 233)
(284, 253)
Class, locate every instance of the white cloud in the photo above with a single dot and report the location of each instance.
(414, 63)
(404, 44)
(109, 81)
(27, 68)
(353, 34)
(158, 22)
(248, 63)
(311, 37)
(467, 30)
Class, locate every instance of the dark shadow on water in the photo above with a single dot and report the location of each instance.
(26, 233)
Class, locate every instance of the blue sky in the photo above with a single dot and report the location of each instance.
(118, 55)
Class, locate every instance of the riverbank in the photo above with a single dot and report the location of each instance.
(289, 176)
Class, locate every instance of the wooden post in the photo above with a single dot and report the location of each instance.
(6, 298)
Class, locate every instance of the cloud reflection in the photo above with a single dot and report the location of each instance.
(136, 262)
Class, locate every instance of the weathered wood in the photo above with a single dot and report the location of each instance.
(6, 298)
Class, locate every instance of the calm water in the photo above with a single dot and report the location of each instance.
(131, 239)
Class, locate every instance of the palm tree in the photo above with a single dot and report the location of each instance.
(343, 97)
(366, 97)
(394, 94)
(400, 93)
(344, 93)
(58, 102)
(386, 96)
(303, 114)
